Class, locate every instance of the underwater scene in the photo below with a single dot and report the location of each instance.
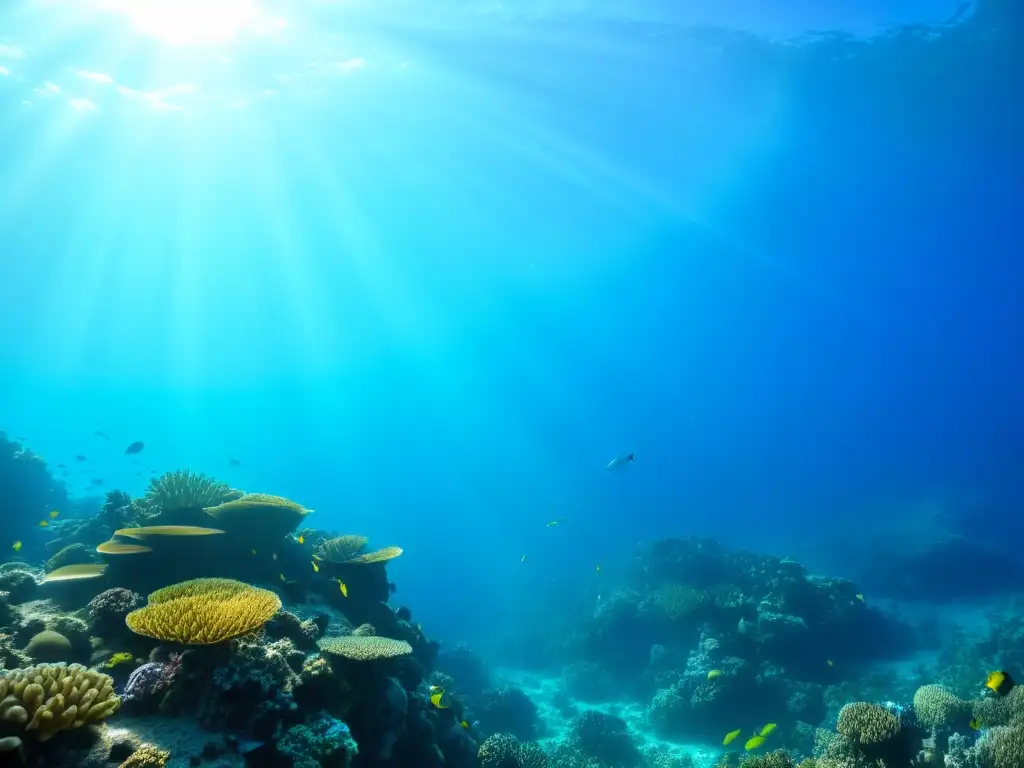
(527, 384)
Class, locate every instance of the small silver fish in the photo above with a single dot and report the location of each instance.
(621, 461)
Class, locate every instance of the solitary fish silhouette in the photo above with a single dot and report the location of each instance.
(135, 447)
(620, 462)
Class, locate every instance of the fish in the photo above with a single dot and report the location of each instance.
(101, 434)
(44, 523)
(53, 514)
(283, 579)
(274, 556)
(620, 462)
(135, 447)
(436, 689)
(464, 725)
(730, 736)
(767, 730)
(253, 551)
(234, 462)
(316, 568)
(597, 568)
(97, 481)
(830, 662)
(522, 559)
(62, 466)
(754, 742)
(301, 539)
(16, 546)
(80, 457)
(975, 723)
(859, 596)
(392, 587)
(556, 521)
(714, 673)
(343, 588)
(1000, 682)
(435, 699)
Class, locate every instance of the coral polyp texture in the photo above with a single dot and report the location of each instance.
(48, 698)
(365, 647)
(204, 612)
(340, 548)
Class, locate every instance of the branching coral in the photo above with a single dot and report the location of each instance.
(204, 611)
(938, 707)
(184, 489)
(866, 724)
(1002, 747)
(502, 750)
(49, 698)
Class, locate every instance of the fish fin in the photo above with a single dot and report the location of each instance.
(631, 458)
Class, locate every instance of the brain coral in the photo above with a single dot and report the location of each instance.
(867, 724)
(204, 611)
(365, 647)
(937, 707)
(49, 698)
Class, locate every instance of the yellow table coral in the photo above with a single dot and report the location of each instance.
(204, 611)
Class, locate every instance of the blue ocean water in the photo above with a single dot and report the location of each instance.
(426, 271)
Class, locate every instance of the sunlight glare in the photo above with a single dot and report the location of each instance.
(187, 21)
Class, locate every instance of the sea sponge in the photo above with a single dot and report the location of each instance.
(147, 756)
(49, 646)
(365, 647)
(48, 698)
(937, 707)
(183, 489)
(1002, 747)
(259, 514)
(865, 724)
(340, 548)
(204, 611)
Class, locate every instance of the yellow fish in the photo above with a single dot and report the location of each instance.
(555, 522)
(315, 557)
(830, 662)
(343, 588)
(754, 742)
(1000, 682)
(436, 689)
(522, 559)
(44, 523)
(465, 725)
(316, 568)
(53, 514)
(283, 578)
(435, 699)
(714, 673)
(768, 729)
(860, 597)
(975, 723)
(17, 546)
(731, 735)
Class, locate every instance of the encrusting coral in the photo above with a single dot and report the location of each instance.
(147, 756)
(49, 698)
(204, 611)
